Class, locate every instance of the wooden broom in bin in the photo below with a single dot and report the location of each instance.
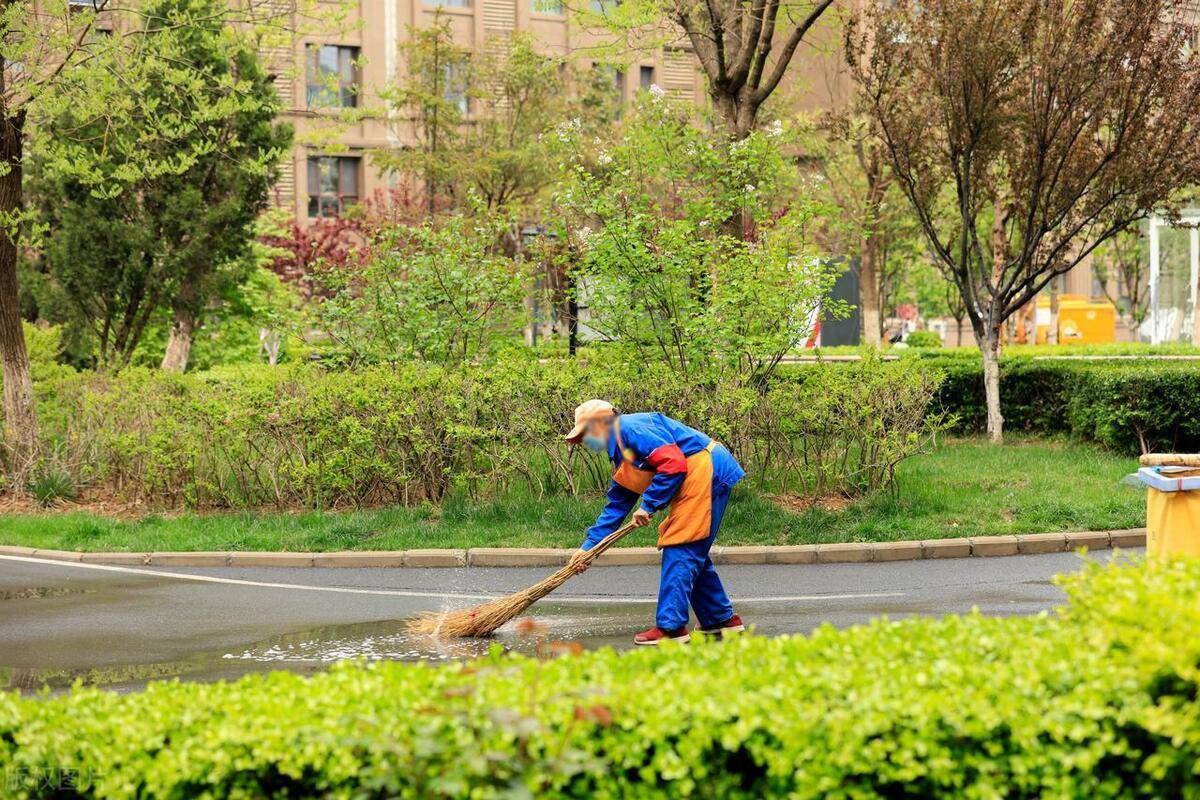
(485, 618)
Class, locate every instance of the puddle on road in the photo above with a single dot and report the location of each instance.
(392, 641)
(555, 630)
(38, 592)
(559, 628)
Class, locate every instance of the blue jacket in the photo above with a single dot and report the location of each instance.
(657, 443)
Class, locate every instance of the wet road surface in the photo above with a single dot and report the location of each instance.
(122, 626)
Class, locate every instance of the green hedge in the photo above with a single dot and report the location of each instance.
(300, 436)
(1130, 406)
(1098, 701)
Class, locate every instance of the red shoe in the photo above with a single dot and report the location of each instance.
(654, 636)
(732, 625)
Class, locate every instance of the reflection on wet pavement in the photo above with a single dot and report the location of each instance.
(60, 625)
(556, 629)
(38, 592)
(392, 641)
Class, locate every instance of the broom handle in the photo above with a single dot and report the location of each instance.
(608, 541)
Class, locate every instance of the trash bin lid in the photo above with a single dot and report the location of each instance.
(1170, 479)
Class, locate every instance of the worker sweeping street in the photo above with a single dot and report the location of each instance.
(665, 464)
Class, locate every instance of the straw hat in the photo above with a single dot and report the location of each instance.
(585, 413)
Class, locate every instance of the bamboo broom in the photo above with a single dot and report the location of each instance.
(484, 619)
(1170, 460)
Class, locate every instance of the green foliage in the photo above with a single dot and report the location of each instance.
(434, 98)
(1137, 408)
(435, 292)
(846, 429)
(44, 344)
(50, 482)
(1132, 406)
(508, 155)
(683, 251)
(923, 339)
(243, 324)
(1097, 701)
(481, 118)
(942, 493)
(296, 436)
(124, 244)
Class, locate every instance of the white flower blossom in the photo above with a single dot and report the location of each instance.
(750, 188)
(604, 158)
(775, 129)
(657, 93)
(566, 130)
(583, 234)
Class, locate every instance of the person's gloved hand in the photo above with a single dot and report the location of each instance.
(641, 518)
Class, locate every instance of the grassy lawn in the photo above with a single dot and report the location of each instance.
(964, 488)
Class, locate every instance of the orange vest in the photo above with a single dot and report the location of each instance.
(689, 517)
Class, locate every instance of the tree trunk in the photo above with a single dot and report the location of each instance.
(958, 324)
(989, 344)
(1196, 312)
(20, 414)
(179, 345)
(270, 343)
(1052, 330)
(868, 294)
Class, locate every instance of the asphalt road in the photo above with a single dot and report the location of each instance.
(122, 626)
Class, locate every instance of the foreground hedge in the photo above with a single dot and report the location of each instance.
(1098, 701)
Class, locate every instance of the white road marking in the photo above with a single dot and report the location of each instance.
(185, 576)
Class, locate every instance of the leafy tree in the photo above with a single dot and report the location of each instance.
(659, 271)
(250, 322)
(432, 98)
(873, 220)
(52, 59)
(433, 292)
(1122, 267)
(1052, 125)
(744, 49)
(296, 250)
(481, 119)
(172, 238)
(508, 154)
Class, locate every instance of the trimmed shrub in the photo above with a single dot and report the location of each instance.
(1144, 407)
(1098, 700)
(923, 339)
(1130, 406)
(298, 436)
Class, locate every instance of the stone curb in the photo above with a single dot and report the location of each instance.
(841, 553)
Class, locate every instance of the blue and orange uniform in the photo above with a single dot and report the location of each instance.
(669, 465)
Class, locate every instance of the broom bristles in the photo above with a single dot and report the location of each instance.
(485, 618)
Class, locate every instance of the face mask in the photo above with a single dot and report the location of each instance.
(594, 443)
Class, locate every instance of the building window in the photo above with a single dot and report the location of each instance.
(332, 76)
(614, 76)
(546, 7)
(454, 87)
(604, 6)
(332, 184)
(449, 3)
(647, 77)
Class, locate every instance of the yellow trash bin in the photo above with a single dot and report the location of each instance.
(1172, 504)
